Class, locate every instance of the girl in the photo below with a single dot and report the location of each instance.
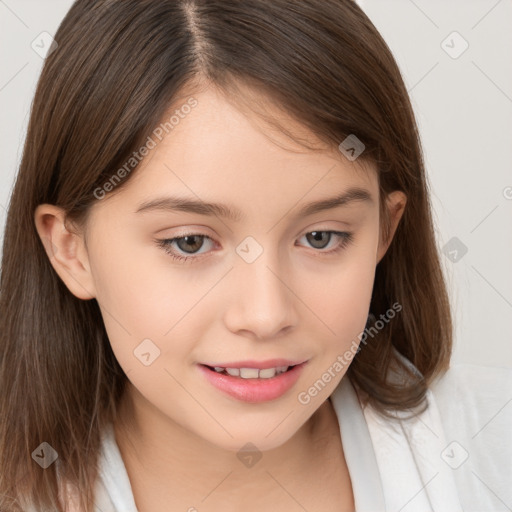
(296, 357)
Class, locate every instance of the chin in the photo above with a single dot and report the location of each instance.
(254, 439)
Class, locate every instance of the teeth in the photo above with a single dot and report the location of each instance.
(252, 373)
(268, 373)
(248, 373)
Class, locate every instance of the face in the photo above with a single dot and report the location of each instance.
(275, 287)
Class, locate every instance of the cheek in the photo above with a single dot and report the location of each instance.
(147, 303)
(340, 294)
(340, 308)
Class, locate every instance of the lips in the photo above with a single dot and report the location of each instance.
(251, 381)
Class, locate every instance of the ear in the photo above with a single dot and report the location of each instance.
(395, 203)
(66, 250)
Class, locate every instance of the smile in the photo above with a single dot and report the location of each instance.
(253, 384)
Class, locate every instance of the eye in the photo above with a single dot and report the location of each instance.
(317, 239)
(185, 242)
(194, 241)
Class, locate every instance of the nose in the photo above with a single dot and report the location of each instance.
(262, 302)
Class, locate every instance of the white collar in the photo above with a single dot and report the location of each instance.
(395, 465)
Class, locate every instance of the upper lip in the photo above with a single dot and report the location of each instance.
(260, 365)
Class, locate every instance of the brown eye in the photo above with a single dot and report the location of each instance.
(189, 242)
(184, 245)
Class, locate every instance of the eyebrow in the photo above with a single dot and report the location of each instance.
(189, 205)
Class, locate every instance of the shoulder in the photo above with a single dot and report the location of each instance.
(470, 397)
(474, 389)
(471, 372)
(475, 409)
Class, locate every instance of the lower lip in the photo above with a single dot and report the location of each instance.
(254, 390)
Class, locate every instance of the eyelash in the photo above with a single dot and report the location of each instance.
(165, 244)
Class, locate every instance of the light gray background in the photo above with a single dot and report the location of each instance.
(463, 107)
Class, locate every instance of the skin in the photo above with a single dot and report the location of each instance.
(294, 301)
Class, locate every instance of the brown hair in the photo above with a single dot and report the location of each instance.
(117, 68)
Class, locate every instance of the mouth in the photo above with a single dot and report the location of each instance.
(252, 384)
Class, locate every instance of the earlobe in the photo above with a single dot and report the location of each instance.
(65, 249)
(395, 202)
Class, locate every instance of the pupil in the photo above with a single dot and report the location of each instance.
(187, 239)
(317, 237)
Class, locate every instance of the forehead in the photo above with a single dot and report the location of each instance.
(221, 151)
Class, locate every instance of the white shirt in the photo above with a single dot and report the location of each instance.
(454, 457)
